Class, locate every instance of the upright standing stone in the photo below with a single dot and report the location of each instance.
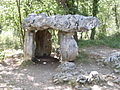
(68, 46)
(29, 45)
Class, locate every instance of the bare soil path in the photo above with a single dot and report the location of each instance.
(39, 76)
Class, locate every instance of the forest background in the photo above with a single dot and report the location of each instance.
(12, 12)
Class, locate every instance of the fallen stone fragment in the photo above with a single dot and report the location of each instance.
(82, 88)
(81, 79)
(1, 67)
(117, 80)
(117, 70)
(95, 77)
(113, 60)
(96, 87)
(17, 89)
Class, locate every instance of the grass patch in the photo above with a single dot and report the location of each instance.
(109, 41)
(2, 56)
(26, 63)
(82, 58)
(87, 43)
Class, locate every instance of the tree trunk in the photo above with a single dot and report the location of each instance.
(68, 46)
(76, 36)
(116, 16)
(66, 4)
(20, 23)
(93, 32)
(94, 13)
(43, 43)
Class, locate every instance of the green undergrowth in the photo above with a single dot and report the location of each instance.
(82, 57)
(109, 41)
(26, 63)
(2, 56)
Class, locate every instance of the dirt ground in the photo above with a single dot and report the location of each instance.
(39, 76)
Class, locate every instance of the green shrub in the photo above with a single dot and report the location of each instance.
(8, 40)
(2, 56)
(109, 41)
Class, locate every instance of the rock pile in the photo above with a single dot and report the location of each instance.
(68, 72)
(113, 61)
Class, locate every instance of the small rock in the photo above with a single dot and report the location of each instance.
(56, 81)
(117, 70)
(110, 83)
(44, 63)
(113, 60)
(93, 73)
(81, 79)
(84, 89)
(94, 76)
(77, 87)
(17, 89)
(117, 80)
(1, 67)
(5, 88)
(96, 87)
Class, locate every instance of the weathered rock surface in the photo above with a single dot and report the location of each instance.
(66, 66)
(68, 46)
(117, 80)
(113, 61)
(66, 23)
(95, 77)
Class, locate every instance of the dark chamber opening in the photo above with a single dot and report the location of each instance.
(43, 47)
